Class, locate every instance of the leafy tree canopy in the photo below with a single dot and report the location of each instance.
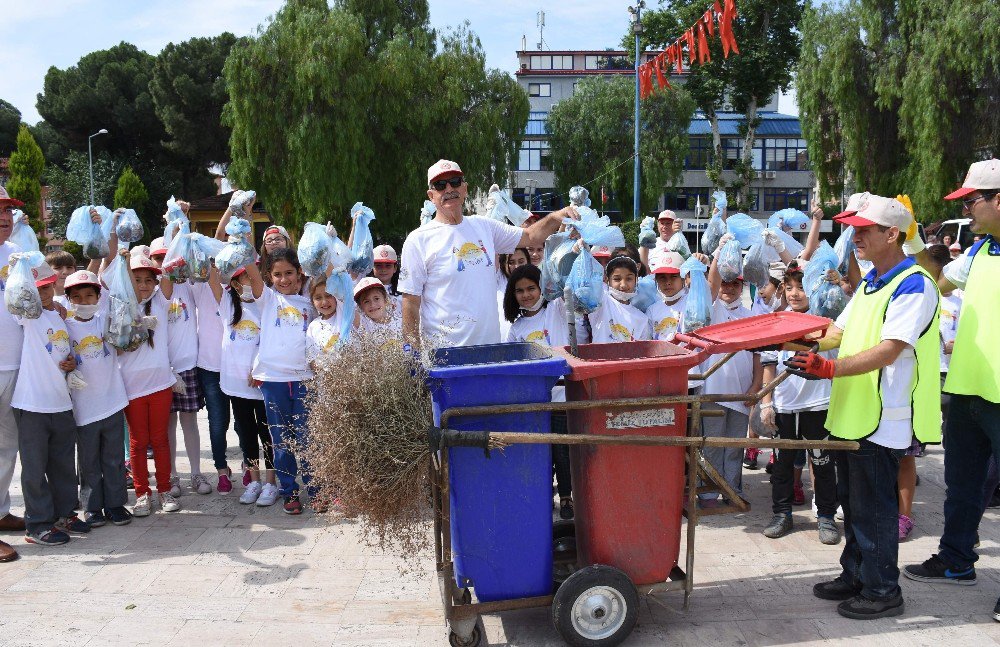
(10, 123)
(130, 192)
(25, 183)
(69, 186)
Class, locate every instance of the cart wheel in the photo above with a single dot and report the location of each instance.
(476, 638)
(595, 607)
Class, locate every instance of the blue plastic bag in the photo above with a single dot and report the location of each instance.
(341, 287)
(715, 230)
(20, 294)
(91, 236)
(22, 234)
(129, 228)
(314, 249)
(791, 218)
(844, 248)
(678, 243)
(176, 261)
(362, 255)
(730, 261)
(647, 233)
(746, 229)
(597, 233)
(755, 266)
(646, 293)
(792, 246)
(506, 210)
(698, 307)
(826, 299)
(586, 280)
(557, 262)
(124, 330)
(202, 251)
(579, 196)
(238, 252)
(721, 202)
(427, 212)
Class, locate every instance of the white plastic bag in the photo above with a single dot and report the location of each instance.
(22, 234)
(362, 247)
(20, 295)
(125, 330)
(91, 236)
(129, 228)
(237, 252)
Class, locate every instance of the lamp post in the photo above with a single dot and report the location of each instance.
(636, 12)
(90, 155)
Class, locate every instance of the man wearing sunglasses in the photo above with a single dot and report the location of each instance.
(447, 271)
(972, 430)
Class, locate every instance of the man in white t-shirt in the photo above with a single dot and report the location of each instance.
(667, 224)
(10, 360)
(446, 275)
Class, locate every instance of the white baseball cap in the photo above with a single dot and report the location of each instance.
(44, 275)
(81, 277)
(601, 251)
(668, 263)
(876, 210)
(384, 254)
(366, 284)
(157, 246)
(667, 214)
(983, 176)
(442, 167)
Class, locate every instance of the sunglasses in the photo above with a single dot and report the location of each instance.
(453, 182)
(972, 201)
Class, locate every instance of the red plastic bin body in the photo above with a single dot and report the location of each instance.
(629, 499)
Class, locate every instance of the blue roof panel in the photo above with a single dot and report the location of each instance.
(773, 124)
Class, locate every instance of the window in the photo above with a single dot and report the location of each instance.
(547, 62)
(685, 199)
(777, 199)
(786, 155)
(768, 154)
(699, 153)
(537, 124)
(534, 156)
(539, 89)
(595, 62)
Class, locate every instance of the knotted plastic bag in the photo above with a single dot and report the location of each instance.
(713, 233)
(598, 232)
(124, 330)
(646, 293)
(826, 299)
(792, 246)
(730, 261)
(505, 210)
(585, 280)
(579, 196)
(557, 261)
(314, 249)
(341, 287)
(91, 236)
(721, 202)
(239, 201)
(129, 228)
(791, 218)
(203, 249)
(237, 252)
(678, 243)
(844, 248)
(22, 234)
(175, 262)
(698, 307)
(746, 229)
(362, 254)
(427, 212)
(175, 218)
(755, 266)
(647, 233)
(21, 296)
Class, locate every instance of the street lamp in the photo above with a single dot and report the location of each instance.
(636, 13)
(90, 155)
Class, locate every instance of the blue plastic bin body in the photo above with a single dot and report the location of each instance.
(501, 506)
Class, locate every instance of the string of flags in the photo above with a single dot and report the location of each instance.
(694, 42)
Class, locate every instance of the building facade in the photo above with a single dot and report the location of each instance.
(779, 154)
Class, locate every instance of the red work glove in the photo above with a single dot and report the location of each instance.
(810, 366)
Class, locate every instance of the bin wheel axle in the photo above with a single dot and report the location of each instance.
(596, 607)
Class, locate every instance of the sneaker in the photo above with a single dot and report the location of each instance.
(149, 453)
(168, 503)
(201, 485)
(905, 527)
(750, 458)
(996, 611)
(129, 483)
(268, 495)
(798, 495)
(566, 509)
(95, 519)
(861, 608)
(175, 486)
(72, 525)
(770, 463)
(976, 545)
(829, 533)
(934, 570)
(840, 513)
(143, 506)
(781, 525)
(50, 537)
(292, 505)
(994, 500)
(837, 590)
(252, 493)
(119, 516)
(225, 486)
(247, 479)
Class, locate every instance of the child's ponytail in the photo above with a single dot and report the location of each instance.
(147, 308)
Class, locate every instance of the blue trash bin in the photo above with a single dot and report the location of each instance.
(501, 506)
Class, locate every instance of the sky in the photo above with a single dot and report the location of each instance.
(42, 33)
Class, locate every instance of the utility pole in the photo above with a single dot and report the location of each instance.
(636, 12)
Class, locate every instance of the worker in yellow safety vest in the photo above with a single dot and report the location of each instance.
(885, 392)
(972, 430)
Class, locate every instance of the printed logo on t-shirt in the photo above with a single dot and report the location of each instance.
(290, 316)
(90, 347)
(665, 327)
(4, 273)
(177, 309)
(471, 254)
(539, 337)
(246, 330)
(58, 342)
(331, 342)
(620, 332)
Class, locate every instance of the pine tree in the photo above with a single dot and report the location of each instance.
(130, 193)
(25, 183)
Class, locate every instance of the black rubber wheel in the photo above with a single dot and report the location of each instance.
(596, 607)
(477, 638)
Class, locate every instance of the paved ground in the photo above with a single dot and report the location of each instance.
(218, 572)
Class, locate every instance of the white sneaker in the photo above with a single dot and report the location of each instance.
(143, 506)
(175, 486)
(268, 495)
(251, 493)
(168, 503)
(840, 513)
(200, 484)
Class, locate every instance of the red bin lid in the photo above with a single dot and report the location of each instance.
(756, 332)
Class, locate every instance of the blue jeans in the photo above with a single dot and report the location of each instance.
(217, 404)
(866, 487)
(285, 407)
(972, 435)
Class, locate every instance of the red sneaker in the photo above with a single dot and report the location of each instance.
(798, 496)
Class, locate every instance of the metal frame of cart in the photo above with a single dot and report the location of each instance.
(463, 616)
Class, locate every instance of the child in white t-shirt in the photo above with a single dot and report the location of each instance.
(377, 314)
(615, 320)
(323, 333)
(99, 407)
(667, 316)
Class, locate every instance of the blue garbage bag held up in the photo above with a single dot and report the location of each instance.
(124, 330)
(341, 287)
(755, 266)
(506, 210)
(586, 279)
(91, 236)
(22, 234)
(597, 233)
(238, 252)
(427, 212)
(791, 218)
(647, 233)
(314, 249)
(746, 229)
(20, 294)
(721, 202)
(792, 246)
(698, 307)
(730, 261)
(203, 250)
(826, 299)
(579, 196)
(715, 230)
(362, 254)
(678, 243)
(129, 228)
(176, 261)
(557, 261)
(844, 248)
(646, 293)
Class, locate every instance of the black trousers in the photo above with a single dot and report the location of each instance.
(560, 457)
(250, 418)
(807, 425)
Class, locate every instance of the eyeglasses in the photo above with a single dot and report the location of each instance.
(972, 201)
(274, 240)
(453, 182)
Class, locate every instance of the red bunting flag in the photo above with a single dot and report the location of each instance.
(660, 79)
(709, 20)
(692, 49)
(704, 56)
(727, 15)
(678, 54)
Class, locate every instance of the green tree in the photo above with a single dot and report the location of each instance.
(10, 123)
(767, 34)
(899, 98)
(130, 192)
(591, 135)
(69, 186)
(25, 183)
(53, 144)
(329, 106)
